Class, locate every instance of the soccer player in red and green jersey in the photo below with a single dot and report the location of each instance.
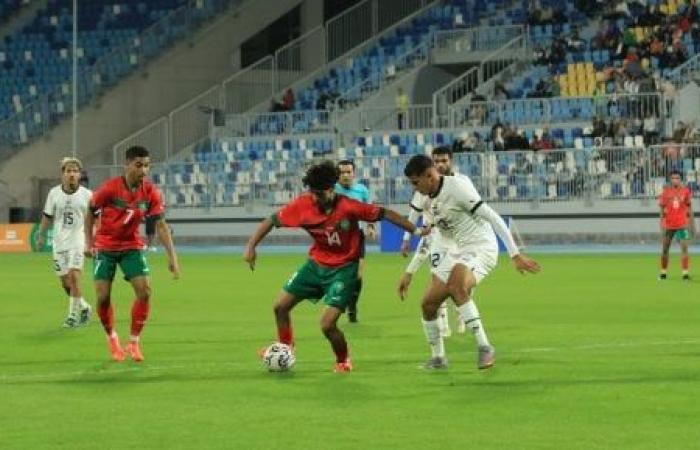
(676, 222)
(122, 203)
(331, 271)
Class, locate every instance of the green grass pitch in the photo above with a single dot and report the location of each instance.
(593, 353)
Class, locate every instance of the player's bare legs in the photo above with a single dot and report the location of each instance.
(139, 314)
(329, 327)
(460, 285)
(352, 307)
(79, 311)
(433, 297)
(284, 304)
(685, 260)
(103, 291)
(665, 246)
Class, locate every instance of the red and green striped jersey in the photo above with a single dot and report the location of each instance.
(121, 210)
(336, 233)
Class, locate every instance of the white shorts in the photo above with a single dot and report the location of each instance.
(67, 260)
(480, 260)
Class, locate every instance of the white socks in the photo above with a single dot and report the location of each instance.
(443, 321)
(471, 318)
(432, 334)
(76, 304)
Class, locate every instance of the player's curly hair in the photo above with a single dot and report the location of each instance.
(320, 177)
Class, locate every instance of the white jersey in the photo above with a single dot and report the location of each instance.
(68, 212)
(421, 204)
(452, 210)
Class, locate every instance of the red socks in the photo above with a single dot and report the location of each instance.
(285, 335)
(341, 351)
(106, 317)
(139, 314)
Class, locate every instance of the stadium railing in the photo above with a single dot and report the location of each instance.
(417, 117)
(299, 62)
(250, 86)
(558, 109)
(605, 173)
(254, 86)
(195, 118)
(411, 59)
(686, 72)
(494, 64)
(289, 122)
(154, 137)
(475, 39)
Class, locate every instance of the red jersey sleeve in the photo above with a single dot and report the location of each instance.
(157, 207)
(366, 212)
(101, 197)
(289, 215)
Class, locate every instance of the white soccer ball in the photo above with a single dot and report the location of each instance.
(278, 357)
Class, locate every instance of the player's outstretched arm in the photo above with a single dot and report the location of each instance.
(400, 221)
(165, 238)
(522, 263)
(413, 216)
(249, 254)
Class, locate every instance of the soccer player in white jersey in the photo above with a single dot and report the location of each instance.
(66, 207)
(468, 252)
(442, 157)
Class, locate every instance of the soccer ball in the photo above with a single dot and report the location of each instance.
(278, 357)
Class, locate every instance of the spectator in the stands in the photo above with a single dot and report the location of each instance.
(557, 54)
(497, 136)
(468, 143)
(651, 131)
(540, 55)
(402, 109)
(629, 38)
(288, 100)
(574, 42)
(516, 140)
(276, 106)
(500, 92)
(599, 127)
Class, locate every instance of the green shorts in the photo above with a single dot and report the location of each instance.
(132, 262)
(680, 234)
(335, 285)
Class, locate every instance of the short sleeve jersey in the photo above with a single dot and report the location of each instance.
(675, 204)
(336, 232)
(121, 210)
(357, 191)
(68, 212)
(453, 208)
